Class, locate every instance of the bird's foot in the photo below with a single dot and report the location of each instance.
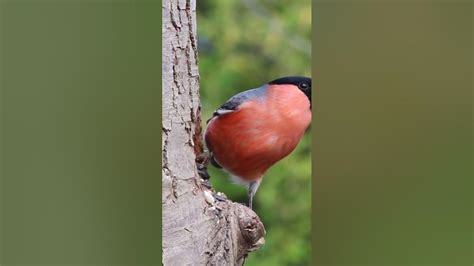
(202, 160)
(202, 171)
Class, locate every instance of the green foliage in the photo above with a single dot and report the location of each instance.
(244, 44)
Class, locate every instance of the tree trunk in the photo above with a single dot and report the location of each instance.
(197, 228)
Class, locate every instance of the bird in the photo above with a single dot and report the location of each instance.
(256, 128)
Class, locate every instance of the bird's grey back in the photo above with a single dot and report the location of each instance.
(240, 98)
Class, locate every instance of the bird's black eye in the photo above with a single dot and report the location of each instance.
(304, 86)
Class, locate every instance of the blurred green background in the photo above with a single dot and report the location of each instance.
(242, 45)
(393, 133)
(80, 133)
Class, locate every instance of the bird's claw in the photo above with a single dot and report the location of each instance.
(202, 171)
(202, 160)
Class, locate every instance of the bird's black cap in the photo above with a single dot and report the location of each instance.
(303, 83)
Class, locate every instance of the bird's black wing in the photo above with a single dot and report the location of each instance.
(233, 103)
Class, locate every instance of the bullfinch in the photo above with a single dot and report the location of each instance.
(257, 128)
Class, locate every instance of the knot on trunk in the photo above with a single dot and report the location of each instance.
(251, 228)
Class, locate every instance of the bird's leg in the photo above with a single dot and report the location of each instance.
(253, 187)
(250, 195)
(202, 160)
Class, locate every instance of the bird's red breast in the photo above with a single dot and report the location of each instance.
(260, 132)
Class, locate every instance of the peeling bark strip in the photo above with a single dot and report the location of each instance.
(197, 229)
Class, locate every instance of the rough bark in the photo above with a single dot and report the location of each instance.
(198, 229)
